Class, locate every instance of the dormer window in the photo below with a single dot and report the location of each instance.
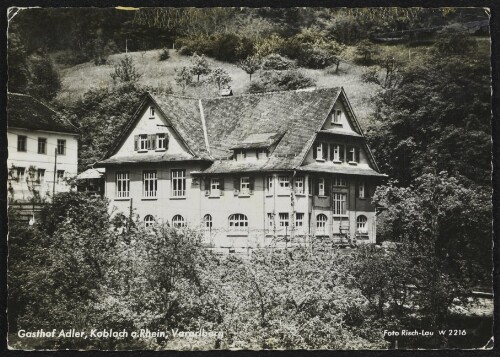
(262, 153)
(240, 154)
(151, 112)
(337, 117)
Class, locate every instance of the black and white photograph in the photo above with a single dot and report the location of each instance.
(236, 178)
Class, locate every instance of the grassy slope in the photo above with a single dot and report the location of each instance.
(81, 78)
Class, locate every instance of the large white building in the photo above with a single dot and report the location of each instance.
(249, 170)
(43, 149)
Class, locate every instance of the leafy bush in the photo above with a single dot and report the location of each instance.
(277, 62)
(271, 81)
(44, 80)
(164, 55)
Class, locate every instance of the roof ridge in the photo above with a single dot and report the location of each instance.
(300, 90)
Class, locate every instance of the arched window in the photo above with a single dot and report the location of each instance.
(149, 220)
(178, 221)
(237, 221)
(207, 221)
(361, 224)
(321, 221)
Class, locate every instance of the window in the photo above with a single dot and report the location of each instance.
(20, 174)
(321, 221)
(361, 189)
(178, 221)
(60, 176)
(42, 145)
(299, 219)
(21, 142)
(214, 183)
(122, 184)
(40, 175)
(339, 181)
(151, 112)
(299, 185)
(284, 220)
(262, 153)
(269, 184)
(284, 184)
(61, 147)
(310, 185)
(270, 221)
(178, 183)
(352, 154)
(319, 151)
(161, 142)
(207, 221)
(361, 225)
(240, 154)
(238, 222)
(143, 142)
(336, 116)
(149, 221)
(245, 185)
(321, 187)
(150, 184)
(339, 203)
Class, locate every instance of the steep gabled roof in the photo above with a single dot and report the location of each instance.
(181, 112)
(26, 112)
(211, 128)
(296, 115)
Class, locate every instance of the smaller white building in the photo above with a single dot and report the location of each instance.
(43, 150)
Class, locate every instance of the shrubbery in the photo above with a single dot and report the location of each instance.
(271, 81)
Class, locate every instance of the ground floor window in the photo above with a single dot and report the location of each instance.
(149, 221)
(238, 222)
(207, 221)
(299, 219)
(178, 221)
(321, 221)
(361, 224)
(284, 219)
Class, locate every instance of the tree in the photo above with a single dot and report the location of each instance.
(435, 221)
(367, 51)
(250, 65)
(125, 71)
(435, 116)
(199, 66)
(44, 81)
(184, 77)
(220, 77)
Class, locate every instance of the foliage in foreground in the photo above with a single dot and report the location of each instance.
(84, 273)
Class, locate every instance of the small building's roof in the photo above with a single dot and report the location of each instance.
(26, 112)
(91, 174)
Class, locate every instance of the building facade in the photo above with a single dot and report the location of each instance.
(43, 150)
(250, 170)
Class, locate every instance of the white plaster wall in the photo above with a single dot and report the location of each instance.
(68, 162)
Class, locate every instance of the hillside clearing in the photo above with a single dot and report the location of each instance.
(159, 75)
